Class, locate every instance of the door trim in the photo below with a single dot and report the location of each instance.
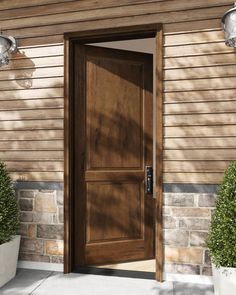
(104, 35)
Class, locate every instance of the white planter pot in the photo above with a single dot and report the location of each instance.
(224, 279)
(8, 260)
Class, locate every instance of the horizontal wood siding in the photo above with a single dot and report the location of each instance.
(200, 111)
(31, 113)
(199, 83)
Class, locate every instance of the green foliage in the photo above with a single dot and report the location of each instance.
(9, 211)
(222, 235)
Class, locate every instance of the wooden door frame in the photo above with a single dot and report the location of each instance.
(105, 35)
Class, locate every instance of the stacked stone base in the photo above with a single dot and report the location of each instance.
(186, 222)
(41, 225)
(186, 219)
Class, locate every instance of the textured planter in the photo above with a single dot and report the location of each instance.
(224, 279)
(8, 260)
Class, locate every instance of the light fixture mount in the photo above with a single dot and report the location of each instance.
(229, 26)
(8, 45)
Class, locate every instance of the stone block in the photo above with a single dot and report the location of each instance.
(31, 230)
(198, 239)
(45, 202)
(43, 218)
(166, 210)
(194, 224)
(207, 259)
(23, 230)
(169, 222)
(206, 271)
(27, 193)
(61, 215)
(185, 255)
(206, 200)
(26, 216)
(179, 199)
(191, 212)
(176, 238)
(26, 204)
(31, 246)
(54, 247)
(50, 231)
(182, 268)
(57, 259)
(55, 219)
(60, 198)
(33, 257)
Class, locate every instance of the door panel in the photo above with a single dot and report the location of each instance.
(110, 145)
(113, 125)
(106, 203)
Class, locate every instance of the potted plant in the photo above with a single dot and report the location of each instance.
(222, 235)
(9, 222)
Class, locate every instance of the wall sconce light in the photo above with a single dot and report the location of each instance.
(7, 45)
(229, 26)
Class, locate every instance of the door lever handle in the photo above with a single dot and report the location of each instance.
(149, 180)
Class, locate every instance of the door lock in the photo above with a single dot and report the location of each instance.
(149, 180)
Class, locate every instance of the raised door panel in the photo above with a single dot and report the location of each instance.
(114, 114)
(106, 203)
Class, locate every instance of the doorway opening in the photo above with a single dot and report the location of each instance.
(143, 267)
(113, 143)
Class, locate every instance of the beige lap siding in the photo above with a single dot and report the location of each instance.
(31, 114)
(199, 104)
(199, 74)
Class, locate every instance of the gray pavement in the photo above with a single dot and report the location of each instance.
(37, 282)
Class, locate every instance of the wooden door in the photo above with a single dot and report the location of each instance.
(113, 143)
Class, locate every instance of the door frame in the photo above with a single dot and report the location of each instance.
(104, 35)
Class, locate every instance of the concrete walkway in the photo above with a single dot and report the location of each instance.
(36, 282)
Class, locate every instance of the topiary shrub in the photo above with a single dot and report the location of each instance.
(222, 234)
(9, 210)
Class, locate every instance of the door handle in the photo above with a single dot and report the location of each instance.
(149, 180)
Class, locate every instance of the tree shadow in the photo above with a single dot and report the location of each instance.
(116, 140)
(193, 289)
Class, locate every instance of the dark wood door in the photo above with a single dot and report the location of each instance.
(113, 130)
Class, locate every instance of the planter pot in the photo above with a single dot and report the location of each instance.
(224, 279)
(8, 260)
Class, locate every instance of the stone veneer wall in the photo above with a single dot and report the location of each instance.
(186, 221)
(41, 225)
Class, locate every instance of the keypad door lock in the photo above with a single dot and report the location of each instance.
(149, 180)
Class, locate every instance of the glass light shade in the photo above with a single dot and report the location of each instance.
(7, 45)
(229, 26)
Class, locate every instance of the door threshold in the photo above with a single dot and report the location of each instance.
(94, 270)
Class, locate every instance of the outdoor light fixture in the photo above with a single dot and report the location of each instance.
(229, 26)
(7, 45)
